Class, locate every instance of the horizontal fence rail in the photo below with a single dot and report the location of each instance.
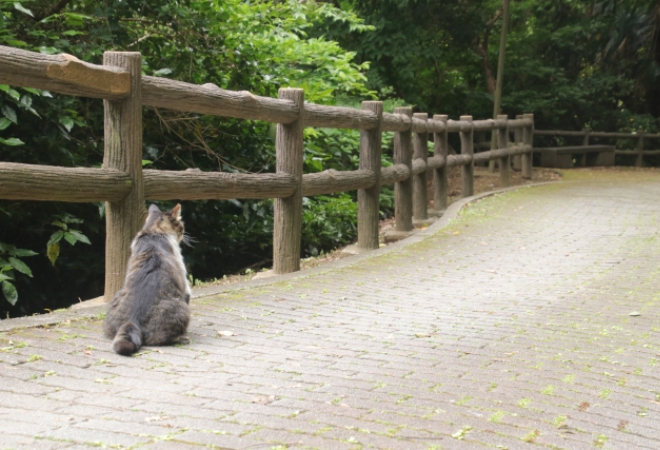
(125, 186)
(638, 152)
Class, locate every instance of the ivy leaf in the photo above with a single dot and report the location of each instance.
(53, 252)
(55, 238)
(10, 292)
(20, 266)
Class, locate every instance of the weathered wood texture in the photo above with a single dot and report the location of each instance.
(369, 196)
(527, 139)
(640, 149)
(62, 184)
(403, 191)
(517, 139)
(123, 152)
(394, 174)
(331, 180)
(63, 73)
(436, 162)
(459, 160)
(198, 185)
(503, 142)
(288, 211)
(467, 149)
(598, 134)
(210, 99)
(420, 153)
(339, 117)
(440, 153)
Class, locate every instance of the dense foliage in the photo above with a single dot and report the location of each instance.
(573, 63)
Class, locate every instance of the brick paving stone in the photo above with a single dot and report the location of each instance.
(507, 326)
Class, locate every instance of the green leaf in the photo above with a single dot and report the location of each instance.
(70, 238)
(53, 252)
(146, 162)
(161, 72)
(10, 292)
(12, 142)
(9, 113)
(24, 10)
(67, 122)
(4, 277)
(55, 238)
(20, 266)
(57, 223)
(80, 237)
(4, 87)
(14, 93)
(4, 123)
(22, 253)
(32, 91)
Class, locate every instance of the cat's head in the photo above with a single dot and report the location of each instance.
(164, 222)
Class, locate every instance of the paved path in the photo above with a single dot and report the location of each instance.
(510, 328)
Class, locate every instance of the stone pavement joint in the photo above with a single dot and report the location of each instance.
(504, 325)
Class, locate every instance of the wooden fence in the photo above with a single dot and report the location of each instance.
(125, 186)
(639, 152)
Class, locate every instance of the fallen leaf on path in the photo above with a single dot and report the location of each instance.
(156, 418)
(634, 313)
(226, 333)
(423, 335)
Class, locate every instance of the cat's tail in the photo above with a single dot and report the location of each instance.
(128, 339)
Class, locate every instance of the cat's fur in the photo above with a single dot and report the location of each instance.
(152, 306)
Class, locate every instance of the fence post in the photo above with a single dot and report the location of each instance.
(467, 148)
(369, 199)
(528, 139)
(403, 189)
(440, 185)
(503, 142)
(122, 150)
(287, 226)
(585, 142)
(640, 149)
(517, 138)
(420, 194)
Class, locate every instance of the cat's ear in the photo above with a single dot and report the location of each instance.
(176, 211)
(153, 209)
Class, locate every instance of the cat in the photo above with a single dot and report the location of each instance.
(152, 306)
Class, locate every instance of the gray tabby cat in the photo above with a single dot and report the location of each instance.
(152, 306)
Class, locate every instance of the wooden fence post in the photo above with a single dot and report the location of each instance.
(517, 138)
(467, 148)
(640, 149)
(528, 139)
(122, 150)
(503, 143)
(585, 141)
(287, 227)
(403, 189)
(369, 199)
(440, 185)
(420, 195)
